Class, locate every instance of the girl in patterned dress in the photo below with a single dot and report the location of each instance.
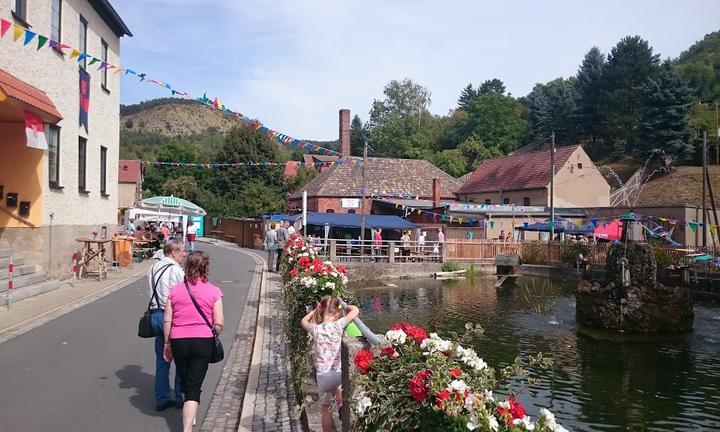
(326, 325)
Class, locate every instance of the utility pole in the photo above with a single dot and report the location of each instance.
(717, 133)
(704, 176)
(363, 191)
(552, 186)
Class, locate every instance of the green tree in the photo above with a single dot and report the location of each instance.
(403, 99)
(552, 109)
(475, 152)
(496, 120)
(156, 175)
(185, 187)
(358, 135)
(491, 85)
(587, 87)
(298, 181)
(467, 96)
(700, 67)
(630, 63)
(451, 161)
(664, 117)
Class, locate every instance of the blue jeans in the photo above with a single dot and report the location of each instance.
(162, 368)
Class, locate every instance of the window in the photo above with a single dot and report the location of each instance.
(82, 164)
(351, 211)
(506, 200)
(526, 201)
(83, 40)
(579, 165)
(329, 211)
(55, 20)
(103, 171)
(104, 54)
(53, 139)
(487, 202)
(20, 10)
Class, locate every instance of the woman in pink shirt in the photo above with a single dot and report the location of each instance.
(188, 338)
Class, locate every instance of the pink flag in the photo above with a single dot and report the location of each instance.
(35, 131)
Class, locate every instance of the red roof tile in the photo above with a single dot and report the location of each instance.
(29, 95)
(129, 171)
(517, 172)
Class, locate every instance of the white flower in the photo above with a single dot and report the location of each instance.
(363, 403)
(434, 344)
(493, 423)
(548, 420)
(334, 273)
(344, 280)
(472, 423)
(305, 254)
(308, 281)
(470, 358)
(458, 386)
(330, 285)
(525, 422)
(395, 337)
(504, 404)
(469, 402)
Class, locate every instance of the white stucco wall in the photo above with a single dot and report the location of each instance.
(58, 76)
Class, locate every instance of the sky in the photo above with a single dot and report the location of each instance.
(293, 64)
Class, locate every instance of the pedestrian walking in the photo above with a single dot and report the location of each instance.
(271, 245)
(377, 240)
(282, 237)
(326, 325)
(164, 232)
(161, 277)
(405, 244)
(194, 311)
(191, 235)
(131, 228)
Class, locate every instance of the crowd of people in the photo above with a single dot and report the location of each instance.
(161, 232)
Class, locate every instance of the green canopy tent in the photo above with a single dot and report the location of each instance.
(173, 205)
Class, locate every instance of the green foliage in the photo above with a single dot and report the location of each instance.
(664, 117)
(662, 259)
(700, 67)
(533, 253)
(358, 136)
(552, 109)
(569, 252)
(451, 161)
(541, 300)
(304, 176)
(475, 152)
(491, 86)
(496, 119)
(450, 266)
(467, 96)
(587, 89)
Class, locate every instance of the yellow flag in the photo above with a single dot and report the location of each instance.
(17, 32)
(713, 229)
(74, 53)
(460, 220)
(119, 70)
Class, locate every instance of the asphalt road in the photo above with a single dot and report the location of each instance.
(88, 370)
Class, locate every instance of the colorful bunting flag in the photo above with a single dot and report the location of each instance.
(17, 32)
(42, 40)
(693, 226)
(28, 36)
(4, 27)
(491, 224)
(74, 53)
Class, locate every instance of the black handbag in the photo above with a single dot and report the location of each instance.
(145, 329)
(218, 352)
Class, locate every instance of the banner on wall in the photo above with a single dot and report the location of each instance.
(35, 131)
(84, 98)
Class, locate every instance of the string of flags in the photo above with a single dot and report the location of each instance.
(220, 165)
(26, 36)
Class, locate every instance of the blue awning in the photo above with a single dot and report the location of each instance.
(349, 220)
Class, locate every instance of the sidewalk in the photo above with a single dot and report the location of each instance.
(35, 311)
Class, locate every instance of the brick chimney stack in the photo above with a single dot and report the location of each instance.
(345, 132)
(436, 193)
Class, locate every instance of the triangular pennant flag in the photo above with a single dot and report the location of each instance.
(693, 226)
(17, 32)
(594, 222)
(74, 53)
(713, 229)
(491, 223)
(551, 224)
(82, 57)
(4, 27)
(42, 40)
(93, 61)
(28, 36)
(525, 224)
(119, 70)
(103, 65)
(53, 44)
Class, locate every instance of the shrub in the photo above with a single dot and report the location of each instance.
(450, 266)
(570, 251)
(533, 254)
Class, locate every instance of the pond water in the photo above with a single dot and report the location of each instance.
(599, 381)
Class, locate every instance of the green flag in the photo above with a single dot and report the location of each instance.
(42, 40)
(693, 226)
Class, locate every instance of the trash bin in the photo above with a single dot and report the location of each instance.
(122, 251)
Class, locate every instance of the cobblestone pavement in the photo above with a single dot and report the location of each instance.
(275, 405)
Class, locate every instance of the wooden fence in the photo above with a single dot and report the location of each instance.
(478, 250)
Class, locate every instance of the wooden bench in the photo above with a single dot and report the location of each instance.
(229, 238)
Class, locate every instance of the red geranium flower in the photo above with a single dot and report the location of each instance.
(340, 269)
(363, 359)
(455, 372)
(516, 411)
(418, 385)
(390, 352)
(293, 273)
(304, 261)
(414, 332)
(441, 397)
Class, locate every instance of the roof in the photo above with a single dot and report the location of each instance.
(517, 172)
(29, 95)
(291, 169)
(384, 177)
(349, 220)
(108, 13)
(129, 171)
(312, 158)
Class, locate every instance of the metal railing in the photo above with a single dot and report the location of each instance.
(385, 251)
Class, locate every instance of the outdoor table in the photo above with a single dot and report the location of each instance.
(93, 250)
(143, 248)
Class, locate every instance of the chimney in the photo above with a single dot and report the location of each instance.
(345, 132)
(436, 193)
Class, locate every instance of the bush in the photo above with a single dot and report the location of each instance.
(533, 254)
(662, 259)
(450, 266)
(570, 252)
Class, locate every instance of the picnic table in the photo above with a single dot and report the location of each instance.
(92, 250)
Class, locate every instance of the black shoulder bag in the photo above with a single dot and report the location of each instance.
(145, 329)
(218, 352)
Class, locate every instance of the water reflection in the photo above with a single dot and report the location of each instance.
(599, 381)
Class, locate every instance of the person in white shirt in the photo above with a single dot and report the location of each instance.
(163, 275)
(421, 242)
(191, 235)
(290, 228)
